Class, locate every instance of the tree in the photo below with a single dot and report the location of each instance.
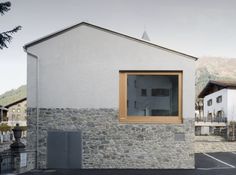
(6, 37)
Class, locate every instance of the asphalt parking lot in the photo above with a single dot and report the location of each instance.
(220, 163)
(215, 163)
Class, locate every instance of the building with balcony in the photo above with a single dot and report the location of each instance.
(219, 107)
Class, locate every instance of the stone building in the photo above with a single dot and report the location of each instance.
(101, 99)
(17, 112)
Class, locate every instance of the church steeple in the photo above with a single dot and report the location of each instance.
(145, 36)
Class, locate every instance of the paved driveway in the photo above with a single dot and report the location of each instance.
(221, 163)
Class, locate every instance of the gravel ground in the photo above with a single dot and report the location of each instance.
(207, 144)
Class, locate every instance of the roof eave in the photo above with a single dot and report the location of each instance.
(211, 82)
(46, 37)
(18, 101)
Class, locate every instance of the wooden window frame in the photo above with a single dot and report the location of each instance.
(124, 118)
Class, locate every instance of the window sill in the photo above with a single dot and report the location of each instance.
(151, 120)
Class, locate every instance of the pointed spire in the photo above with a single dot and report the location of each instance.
(145, 36)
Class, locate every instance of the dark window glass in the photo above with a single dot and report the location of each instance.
(209, 102)
(160, 92)
(143, 92)
(159, 112)
(219, 99)
(164, 95)
(209, 117)
(219, 114)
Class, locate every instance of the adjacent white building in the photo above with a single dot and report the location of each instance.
(219, 98)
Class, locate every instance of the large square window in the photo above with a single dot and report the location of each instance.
(160, 99)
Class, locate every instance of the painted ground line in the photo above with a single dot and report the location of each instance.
(233, 152)
(219, 160)
(214, 168)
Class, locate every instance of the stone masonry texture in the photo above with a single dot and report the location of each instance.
(207, 144)
(106, 143)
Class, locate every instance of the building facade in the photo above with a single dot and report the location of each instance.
(125, 102)
(219, 106)
(17, 112)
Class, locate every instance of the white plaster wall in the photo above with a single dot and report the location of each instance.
(231, 104)
(31, 81)
(216, 106)
(80, 69)
(205, 130)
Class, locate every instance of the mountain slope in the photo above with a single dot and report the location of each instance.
(214, 68)
(13, 95)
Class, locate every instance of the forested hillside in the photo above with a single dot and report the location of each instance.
(13, 95)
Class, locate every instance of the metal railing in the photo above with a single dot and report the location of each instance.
(214, 119)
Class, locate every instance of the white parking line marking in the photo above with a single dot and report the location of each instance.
(233, 152)
(219, 160)
(215, 168)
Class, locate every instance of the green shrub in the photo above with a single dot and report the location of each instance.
(4, 127)
(24, 128)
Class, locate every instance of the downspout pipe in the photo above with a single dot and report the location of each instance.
(37, 105)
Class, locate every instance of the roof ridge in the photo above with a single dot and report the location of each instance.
(107, 30)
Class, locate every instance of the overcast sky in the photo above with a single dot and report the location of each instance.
(196, 27)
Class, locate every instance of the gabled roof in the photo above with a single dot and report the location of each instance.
(18, 101)
(106, 30)
(219, 84)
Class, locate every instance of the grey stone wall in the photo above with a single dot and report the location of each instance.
(108, 144)
(4, 146)
(30, 162)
